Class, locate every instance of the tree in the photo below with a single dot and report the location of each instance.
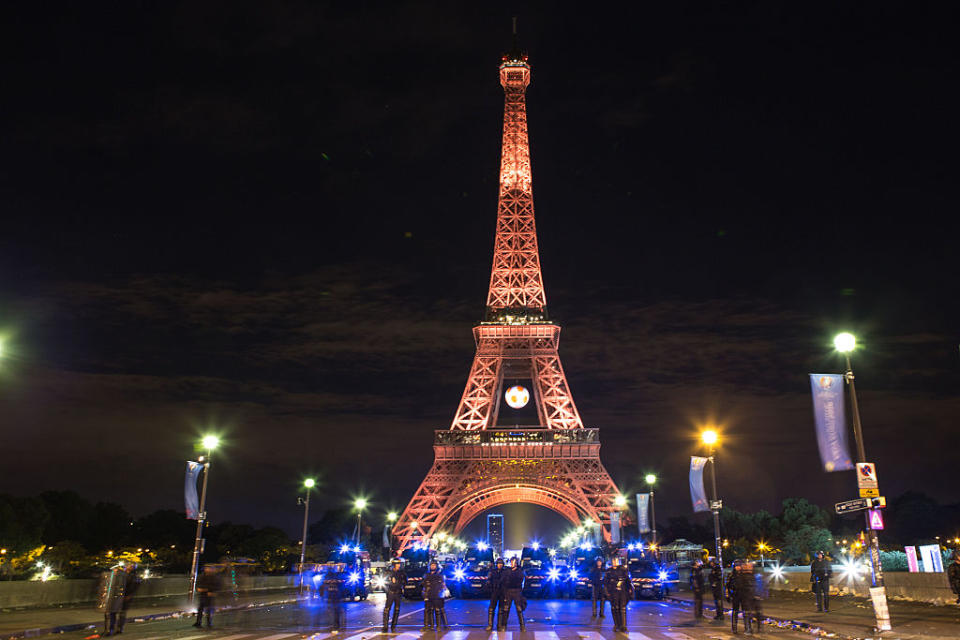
(71, 517)
(798, 512)
(800, 544)
(22, 523)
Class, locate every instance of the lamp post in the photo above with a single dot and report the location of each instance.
(652, 480)
(359, 504)
(845, 343)
(209, 443)
(709, 438)
(391, 518)
(761, 547)
(308, 484)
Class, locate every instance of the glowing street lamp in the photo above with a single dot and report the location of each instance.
(761, 547)
(308, 484)
(392, 517)
(620, 501)
(651, 480)
(710, 438)
(845, 343)
(359, 504)
(209, 442)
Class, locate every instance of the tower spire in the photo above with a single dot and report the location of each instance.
(516, 283)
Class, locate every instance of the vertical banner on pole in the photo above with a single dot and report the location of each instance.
(830, 419)
(932, 558)
(698, 494)
(912, 563)
(190, 499)
(615, 527)
(643, 513)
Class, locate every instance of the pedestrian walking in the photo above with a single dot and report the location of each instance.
(513, 594)
(953, 574)
(394, 582)
(596, 586)
(495, 581)
(696, 586)
(110, 600)
(434, 593)
(619, 591)
(208, 584)
(333, 584)
(716, 586)
(820, 573)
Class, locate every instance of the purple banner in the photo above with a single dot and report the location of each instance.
(831, 421)
(697, 493)
(190, 490)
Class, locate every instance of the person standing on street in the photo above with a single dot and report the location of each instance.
(737, 598)
(696, 586)
(619, 591)
(208, 583)
(333, 595)
(953, 574)
(495, 580)
(110, 601)
(716, 586)
(820, 573)
(513, 594)
(596, 586)
(434, 592)
(396, 579)
(130, 585)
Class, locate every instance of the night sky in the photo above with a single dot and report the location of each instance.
(277, 219)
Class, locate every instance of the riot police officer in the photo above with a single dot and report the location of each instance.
(396, 579)
(820, 573)
(696, 586)
(715, 577)
(596, 586)
(495, 580)
(513, 594)
(333, 594)
(619, 591)
(434, 592)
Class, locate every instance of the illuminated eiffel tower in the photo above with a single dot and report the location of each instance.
(477, 465)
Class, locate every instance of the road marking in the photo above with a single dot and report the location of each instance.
(590, 635)
(277, 636)
(676, 635)
(193, 637)
(455, 635)
(635, 635)
(501, 635)
(236, 636)
(546, 635)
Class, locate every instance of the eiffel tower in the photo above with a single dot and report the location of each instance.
(478, 465)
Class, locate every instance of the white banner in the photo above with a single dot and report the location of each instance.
(643, 513)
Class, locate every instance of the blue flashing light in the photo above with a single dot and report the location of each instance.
(354, 577)
(344, 548)
(586, 546)
(535, 545)
(459, 574)
(663, 575)
(631, 547)
(553, 575)
(574, 574)
(482, 546)
(316, 577)
(357, 549)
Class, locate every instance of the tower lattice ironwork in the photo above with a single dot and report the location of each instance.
(477, 466)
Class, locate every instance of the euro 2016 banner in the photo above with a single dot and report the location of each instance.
(830, 418)
(643, 513)
(697, 493)
(190, 490)
(614, 527)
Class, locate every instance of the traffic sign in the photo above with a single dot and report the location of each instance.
(876, 519)
(852, 505)
(866, 475)
(869, 493)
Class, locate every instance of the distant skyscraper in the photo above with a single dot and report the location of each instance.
(495, 533)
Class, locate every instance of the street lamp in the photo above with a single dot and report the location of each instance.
(308, 484)
(761, 547)
(209, 442)
(359, 504)
(710, 438)
(845, 343)
(651, 480)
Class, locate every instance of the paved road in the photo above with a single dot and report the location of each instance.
(545, 620)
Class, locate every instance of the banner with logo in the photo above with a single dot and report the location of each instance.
(697, 493)
(932, 558)
(831, 422)
(614, 527)
(643, 513)
(190, 490)
(912, 563)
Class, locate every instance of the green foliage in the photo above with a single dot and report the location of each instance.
(798, 512)
(800, 544)
(893, 561)
(22, 521)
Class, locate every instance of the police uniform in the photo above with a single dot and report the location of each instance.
(619, 591)
(696, 585)
(513, 595)
(596, 587)
(434, 588)
(395, 580)
(332, 586)
(716, 586)
(495, 582)
(820, 573)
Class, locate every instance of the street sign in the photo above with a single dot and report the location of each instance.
(866, 475)
(852, 505)
(878, 502)
(869, 493)
(876, 519)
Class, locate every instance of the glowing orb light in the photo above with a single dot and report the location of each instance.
(517, 396)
